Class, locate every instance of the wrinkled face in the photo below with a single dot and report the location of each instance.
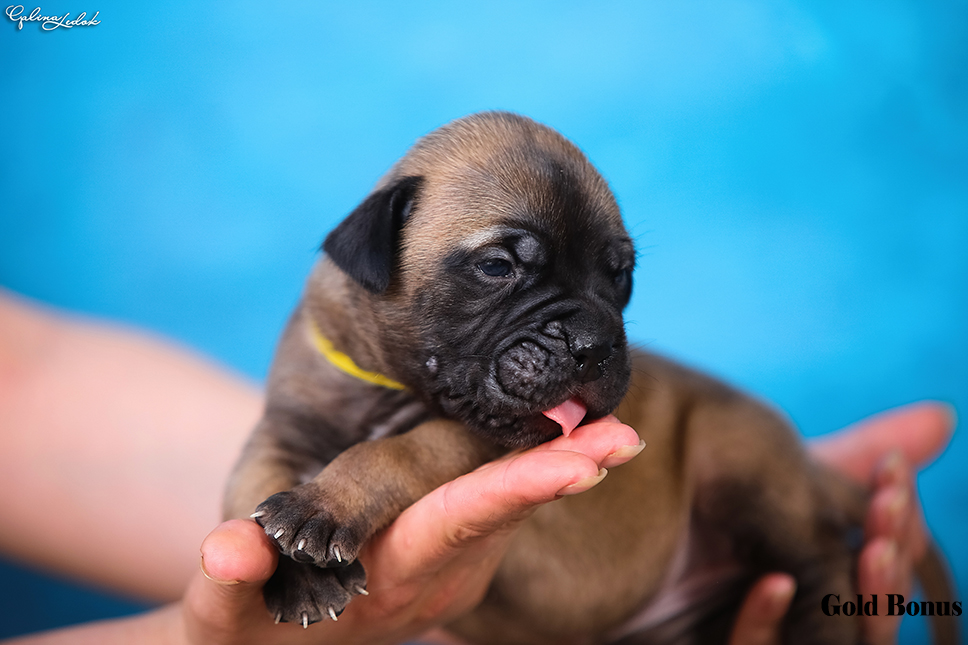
(528, 314)
(496, 257)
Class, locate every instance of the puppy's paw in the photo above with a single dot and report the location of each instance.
(309, 526)
(305, 594)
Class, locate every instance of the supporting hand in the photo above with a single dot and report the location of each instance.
(881, 452)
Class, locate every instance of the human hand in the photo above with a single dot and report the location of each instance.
(432, 564)
(881, 452)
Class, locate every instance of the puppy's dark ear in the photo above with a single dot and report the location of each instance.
(364, 245)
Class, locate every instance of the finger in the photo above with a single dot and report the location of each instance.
(895, 510)
(896, 539)
(224, 600)
(508, 490)
(473, 515)
(893, 470)
(920, 431)
(608, 441)
(889, 523)
(454, 538)
(761, 616)
(881, 570)
(889, 513)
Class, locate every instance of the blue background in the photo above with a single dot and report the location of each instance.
(795, 176)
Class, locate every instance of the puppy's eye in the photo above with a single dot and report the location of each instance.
(496, 267)
(623, 280)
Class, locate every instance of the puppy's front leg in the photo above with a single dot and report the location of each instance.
(267, 466)
(325, 522)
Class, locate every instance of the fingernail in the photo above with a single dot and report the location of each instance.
(205, 573)
(892, 465)
(781, 595)
(897, 508)
(623, 454)
(582, 485)
(885, 564)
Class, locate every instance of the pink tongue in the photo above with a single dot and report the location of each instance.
(568, 415)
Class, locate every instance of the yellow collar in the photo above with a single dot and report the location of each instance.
(342, 362)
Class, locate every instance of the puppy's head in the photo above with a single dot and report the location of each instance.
(495, 258)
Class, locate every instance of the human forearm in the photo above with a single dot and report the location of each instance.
(114, 447)
(159, 627)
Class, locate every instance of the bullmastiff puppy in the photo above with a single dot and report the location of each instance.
(472, 305)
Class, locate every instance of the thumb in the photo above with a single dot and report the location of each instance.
(224, 600)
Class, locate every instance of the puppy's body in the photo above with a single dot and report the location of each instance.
(479, 285)
(665, 547)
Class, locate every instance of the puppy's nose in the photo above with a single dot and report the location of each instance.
(589, 359)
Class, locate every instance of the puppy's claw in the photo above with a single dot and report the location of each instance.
(278, 533)
(305, 621)
(302, 544)
(278, 617)
(360, 590)
(332, 614)
(339, 558)
(257, 515)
